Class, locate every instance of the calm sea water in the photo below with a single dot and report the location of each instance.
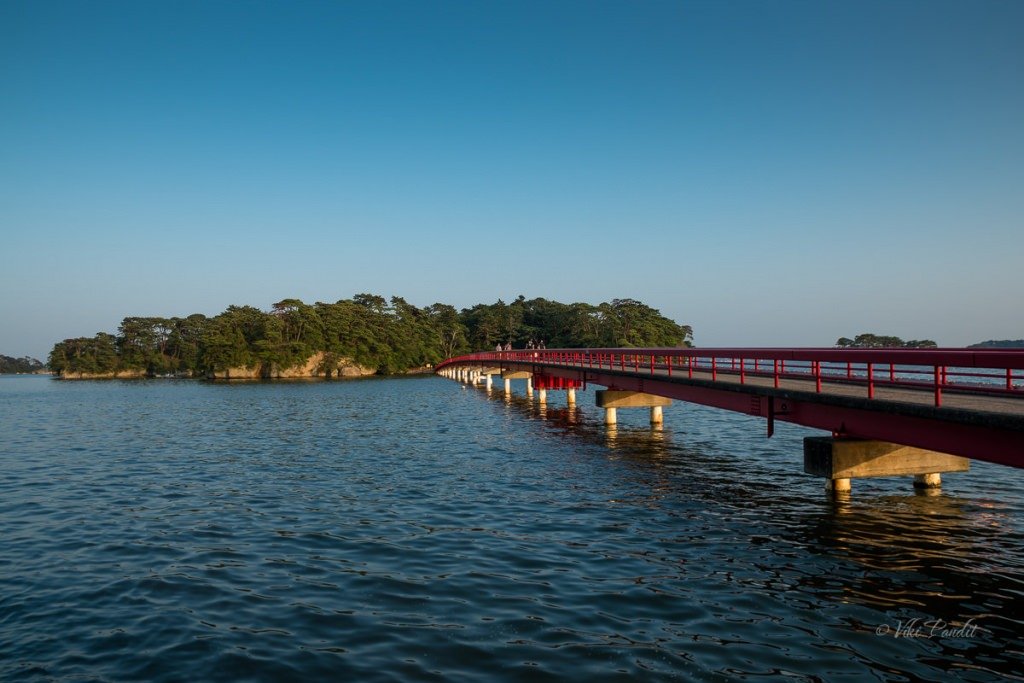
(412, 530)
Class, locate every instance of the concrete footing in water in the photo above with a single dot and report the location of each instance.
(840, 461)
(612, 399)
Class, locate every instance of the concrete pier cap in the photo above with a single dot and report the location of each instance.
(612, 399)
(840, 460)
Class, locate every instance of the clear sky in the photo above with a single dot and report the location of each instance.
(771, 173)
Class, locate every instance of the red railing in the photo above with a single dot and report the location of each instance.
(996, 372)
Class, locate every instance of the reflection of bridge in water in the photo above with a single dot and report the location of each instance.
(890, 411)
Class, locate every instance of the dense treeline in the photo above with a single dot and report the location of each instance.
(876, 341)
(10, 366)
(389, 336)
(999, 344)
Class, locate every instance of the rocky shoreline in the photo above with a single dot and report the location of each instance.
(316, 367)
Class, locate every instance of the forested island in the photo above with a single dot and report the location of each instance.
(364, 335)
(20, 366)
(999, 344)
(879, 341)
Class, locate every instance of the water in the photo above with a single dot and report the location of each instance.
(412, 530)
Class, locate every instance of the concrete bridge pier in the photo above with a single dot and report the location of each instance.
(570, 398)
(487, 373)
(542, 396)
(612, 399)
(932, 480)
(509, 375)
(842, 460)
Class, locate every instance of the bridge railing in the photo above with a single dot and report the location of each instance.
(996, 372)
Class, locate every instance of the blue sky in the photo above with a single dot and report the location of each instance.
(772, 173)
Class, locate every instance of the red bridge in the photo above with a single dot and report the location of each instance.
(963, 402)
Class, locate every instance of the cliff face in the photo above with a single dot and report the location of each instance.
(317, 365)
(120, 374)
(237, 373)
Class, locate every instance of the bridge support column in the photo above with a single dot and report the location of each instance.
(489, 382)
(838, 485)
(932, 480)
(840, 460)
(509, 375)
(542, 396)
(570, 397)
(610, 399)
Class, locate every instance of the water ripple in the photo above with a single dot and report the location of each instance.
(407, 530)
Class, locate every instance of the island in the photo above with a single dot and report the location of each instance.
(999, 344)
(364, 335)
(868, 340)
(21, 366)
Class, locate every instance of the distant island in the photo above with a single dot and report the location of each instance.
(999, 344)
(878, 341)
(20, 366)
(364, 335)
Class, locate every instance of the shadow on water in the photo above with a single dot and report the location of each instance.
(936, 574)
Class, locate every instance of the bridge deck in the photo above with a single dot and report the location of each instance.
(957, 401)
(952, 398)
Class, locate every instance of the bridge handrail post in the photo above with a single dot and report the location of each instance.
(714, 369)
(871, 380)
(743, 371)
(775, 372)
(817, 376)
(938, 386)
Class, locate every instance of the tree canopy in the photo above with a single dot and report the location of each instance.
(391, 336)
(999, 344)
(11, 366)
(876, 341)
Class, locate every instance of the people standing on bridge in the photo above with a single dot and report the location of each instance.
(508, 346)
(529, 344)
(540, 344)
(497, 347)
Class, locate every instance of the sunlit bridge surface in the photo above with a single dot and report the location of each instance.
(965, 402)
